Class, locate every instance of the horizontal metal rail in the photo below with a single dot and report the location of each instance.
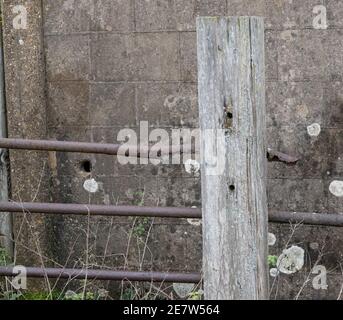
(56, 273)
(88, 147)
(65, 146)
(100, 210)
(322, 219)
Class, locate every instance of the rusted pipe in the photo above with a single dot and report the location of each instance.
(89, 147)
(100, 210)
(334, 220)
(51, 145)
(54, 273)
(321, 219)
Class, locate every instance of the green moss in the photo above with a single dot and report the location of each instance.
(272, 260)
(4, 258)
(40, 296)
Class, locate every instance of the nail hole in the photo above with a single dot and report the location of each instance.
(232, 187)
(86, 166)
(229, 115)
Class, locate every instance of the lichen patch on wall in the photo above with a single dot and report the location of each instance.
(183, 289)
(271, 239)
(314, 129)
(291, 260)
(336, 188)
(91, 186)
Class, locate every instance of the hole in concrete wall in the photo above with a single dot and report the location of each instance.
(86, 166)
(232, 187)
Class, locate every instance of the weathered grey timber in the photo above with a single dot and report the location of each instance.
(232, 99)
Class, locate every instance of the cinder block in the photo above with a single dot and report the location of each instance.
(167, 105)
(116, 16)
(127, 190)
(68, 103)
(302, 55)
(335, 154)
(112, 243)
(186, 12)
(111, 57)
(271, 55)
(62, 17)
(303, 195)
(69, 189)
(333, 105)
(67, 57)
(168, 247)
(119, 57)
(112, 104)
(334, 13)
(194, 242)
(332, 41)
(179, 192)
(156, 57)
(188, 49)
(155, 15)
(294, 103)
(246, 8)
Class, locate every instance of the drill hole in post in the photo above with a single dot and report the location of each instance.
(232, 188)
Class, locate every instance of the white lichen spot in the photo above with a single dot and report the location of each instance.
(314, 130)
(195, 222)
(183, 290)
(291, 260)
(336, 188)
(21, 42)
(271, 239)
(192, 166)
(274, 272)
(91, 186)
(314, 245)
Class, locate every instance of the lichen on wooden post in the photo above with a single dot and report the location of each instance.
(233, 154)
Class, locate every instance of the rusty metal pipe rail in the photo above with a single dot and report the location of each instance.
(56, 273)
(322, 219)
(64, 146)
(85, 147)
(100, 210)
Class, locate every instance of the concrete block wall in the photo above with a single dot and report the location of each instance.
(111, 64)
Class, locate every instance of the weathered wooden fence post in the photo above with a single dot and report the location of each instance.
(233, 155)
